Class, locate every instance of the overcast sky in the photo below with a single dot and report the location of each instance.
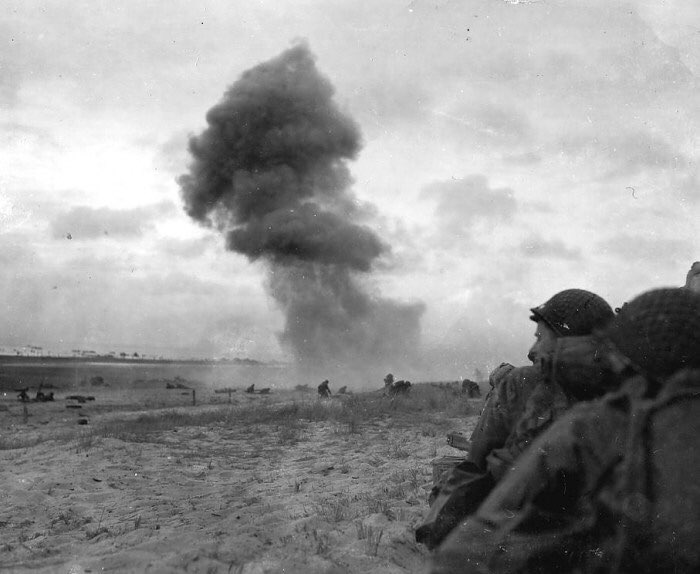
(509, 150)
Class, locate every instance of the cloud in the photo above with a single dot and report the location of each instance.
(26, 134)
(631, 153)
(536, 206)
(523, 159)
(463, 201)
(594, 49)
(387, 104)
(84, 222)
(652, 65)
(677, 26)
(172, 155)
(639, 161)
(626, 153)
(466, 212)
(649, 247)
(640, 151)
(68, 46)
(537, 247)
(687, 186)
(10, 68)
(480, 91)
(8, 87)
(14, 250)
(186, 248)
(499, 123)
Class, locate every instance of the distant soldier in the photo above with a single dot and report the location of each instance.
(323, 390)
(521, 407)
(471, 389)
(23, 396)
(399, 388)
(692, 279)
(612, 485)
(388, 381)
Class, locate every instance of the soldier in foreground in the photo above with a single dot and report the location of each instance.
(522, 406)
(612, 485)
(569, 313)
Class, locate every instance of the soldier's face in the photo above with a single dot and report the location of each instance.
(545, 340)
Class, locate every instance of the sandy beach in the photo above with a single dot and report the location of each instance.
(277, 483)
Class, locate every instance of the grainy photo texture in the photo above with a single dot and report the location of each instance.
(341, 287)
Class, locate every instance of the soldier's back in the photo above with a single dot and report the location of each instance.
(502, 411)
(656, 499)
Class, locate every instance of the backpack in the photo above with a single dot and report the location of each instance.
(659, 507)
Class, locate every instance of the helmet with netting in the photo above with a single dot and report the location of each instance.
(659, 331)
(574, 312)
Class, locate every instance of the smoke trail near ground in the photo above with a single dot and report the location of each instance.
(270, 173)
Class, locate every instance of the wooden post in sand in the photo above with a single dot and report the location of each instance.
(194, 400)
(229, 396)
(25, 413)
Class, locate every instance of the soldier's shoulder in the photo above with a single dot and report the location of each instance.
(520, 381)
(498, 373)
(686, 381)
(528, 374)
(601, 415)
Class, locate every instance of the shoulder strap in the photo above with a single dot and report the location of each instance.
(638, 492)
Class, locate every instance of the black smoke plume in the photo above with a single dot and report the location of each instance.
(270, 173)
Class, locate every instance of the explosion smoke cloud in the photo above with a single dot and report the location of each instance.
(270, 173)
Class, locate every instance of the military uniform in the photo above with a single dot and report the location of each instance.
(523, 396)
(611, 486)
(522, 405)
(495, 378)
(546, 403)
(532, 511)
(560, 508)
(502, 411)
(575, 372)
(324, 390)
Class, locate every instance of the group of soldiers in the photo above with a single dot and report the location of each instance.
(394, 388)
(587, 460)
(41, 396)
(324, 390)
(391, 387)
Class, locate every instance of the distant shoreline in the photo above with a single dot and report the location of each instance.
(101, 359)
